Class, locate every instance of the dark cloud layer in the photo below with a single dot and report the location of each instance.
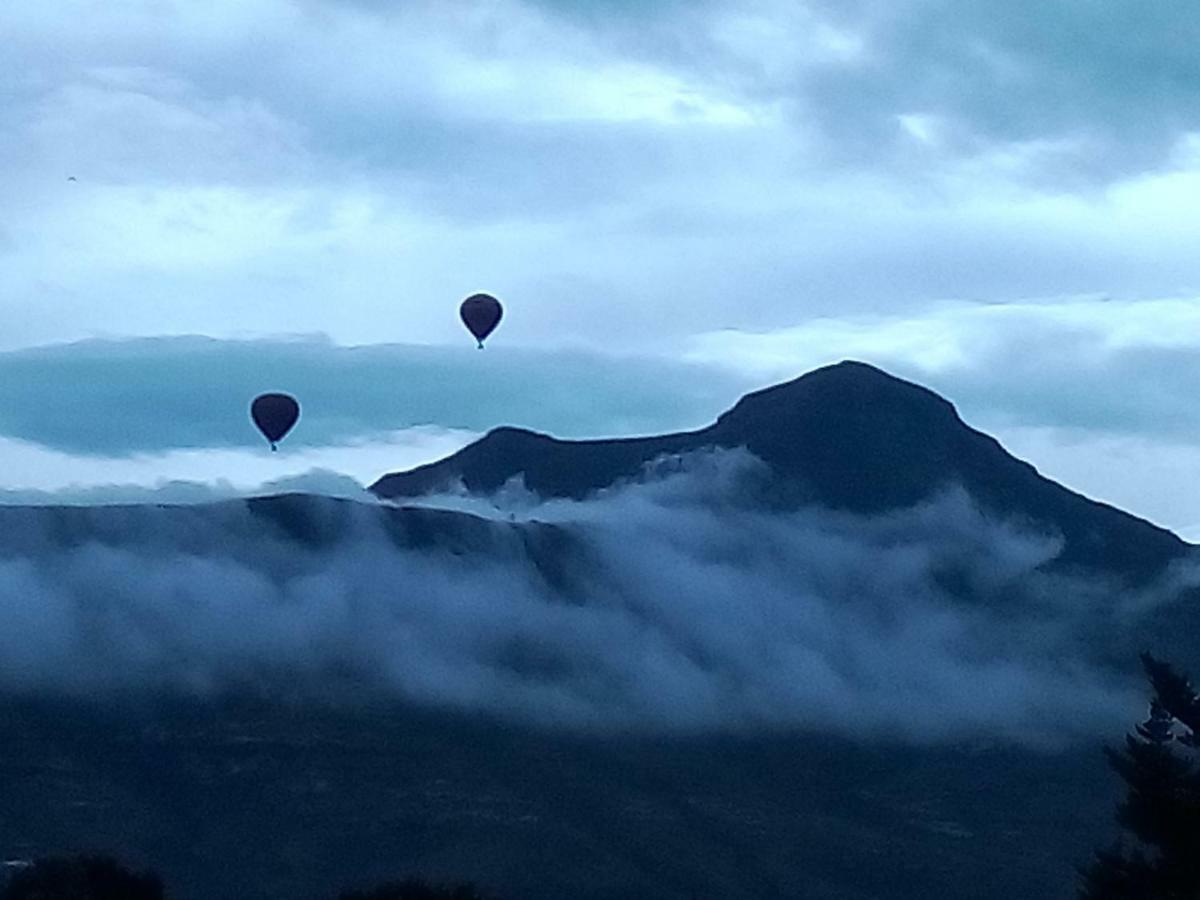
(1111, 84)
(118, 398)
(1097, 91)
(1117, 77)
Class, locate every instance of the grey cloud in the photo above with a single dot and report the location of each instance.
(1118, 77)
(1114, 82)
(1062, 376)
(683, 610)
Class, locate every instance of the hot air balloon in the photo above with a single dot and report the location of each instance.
(481, 314)
(274, 414)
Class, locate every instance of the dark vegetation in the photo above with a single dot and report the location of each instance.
(1158, 857)
(103, 878)
(248, 801)
(81, 878)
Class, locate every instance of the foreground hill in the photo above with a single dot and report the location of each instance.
(847, 437)
(258, 801)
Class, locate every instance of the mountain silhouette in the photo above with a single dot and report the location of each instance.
(847, 436)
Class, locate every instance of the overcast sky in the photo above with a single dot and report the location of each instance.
(997, 199)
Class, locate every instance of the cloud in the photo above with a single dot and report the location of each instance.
(126, 124)
(322, 482)
(123, 398)
(627, 173)
(1059, 95)
(1105, 90)
(668, 605)
(38, 476)
(1120, 366)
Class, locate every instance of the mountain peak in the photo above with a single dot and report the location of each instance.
(848, 381)
(847, 388)
(846, 436)
(859, 438)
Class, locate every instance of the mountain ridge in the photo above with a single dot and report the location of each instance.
(848, 436)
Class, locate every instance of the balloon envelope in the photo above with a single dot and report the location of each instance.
(481, 314)
(274, 414)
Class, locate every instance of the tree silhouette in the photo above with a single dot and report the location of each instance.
(81, 878)
(1160, 765)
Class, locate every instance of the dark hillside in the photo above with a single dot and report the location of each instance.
(847, 436)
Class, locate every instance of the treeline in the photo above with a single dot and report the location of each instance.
(103, 878)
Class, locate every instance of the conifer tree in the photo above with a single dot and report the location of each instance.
(1159, 857)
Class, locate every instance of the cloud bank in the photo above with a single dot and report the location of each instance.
(664, 606)
(38, 476)
(120, 398)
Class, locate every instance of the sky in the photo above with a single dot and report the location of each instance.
(676, 202)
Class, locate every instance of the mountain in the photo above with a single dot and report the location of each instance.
(848, 436)
(656, 694)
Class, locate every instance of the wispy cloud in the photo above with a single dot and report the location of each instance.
(675, 607)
